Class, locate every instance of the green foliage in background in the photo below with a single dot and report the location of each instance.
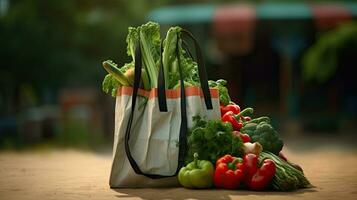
(322, 59)
(76, 134)
(53, 44)
(50, 45)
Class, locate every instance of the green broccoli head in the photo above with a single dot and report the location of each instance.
(249, 128)
(265, 134)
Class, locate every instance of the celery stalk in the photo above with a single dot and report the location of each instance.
(148, 59)
(169, 56)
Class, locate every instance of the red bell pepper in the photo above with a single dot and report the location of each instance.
(258, 178)
(229, 117)
(250, 163)
(230, 107)
(245, 137)
(234, 119)
(263, 176)
(229, 172)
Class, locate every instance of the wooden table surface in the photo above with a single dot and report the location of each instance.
(72, 174)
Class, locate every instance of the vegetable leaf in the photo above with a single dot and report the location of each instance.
(212, 139)
(110, 85)
(220, 84)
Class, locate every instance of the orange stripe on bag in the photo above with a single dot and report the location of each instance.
(170, 94)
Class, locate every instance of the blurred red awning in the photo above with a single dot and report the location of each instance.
(233, 27)
(234, 18)
(327, 16)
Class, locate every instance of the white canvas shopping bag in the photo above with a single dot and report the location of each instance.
(151, 127)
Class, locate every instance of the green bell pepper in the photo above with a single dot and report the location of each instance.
(197, 174)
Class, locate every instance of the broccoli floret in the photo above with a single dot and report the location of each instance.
(265, 134)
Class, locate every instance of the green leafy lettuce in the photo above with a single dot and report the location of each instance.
(171, 55)
(220, 84)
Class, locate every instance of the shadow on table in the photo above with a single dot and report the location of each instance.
(182, 194)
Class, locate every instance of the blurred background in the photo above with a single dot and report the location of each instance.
(292, 60)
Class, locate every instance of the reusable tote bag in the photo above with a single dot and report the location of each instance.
(150, 139)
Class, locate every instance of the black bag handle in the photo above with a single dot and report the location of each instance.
(183, 126)
(201, 72)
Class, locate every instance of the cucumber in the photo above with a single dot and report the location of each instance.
(112, 69)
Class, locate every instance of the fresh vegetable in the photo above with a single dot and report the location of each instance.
(186, 84)
(222, 141)
(286, 177)
(296, 166)
(172, 45)
(110, 85)
(148, 36)
(265, 134)
(197, 174)
(283, 157)
(230, 107)
(229, 172)
(220, 84)
(250, 165)
(246, 118)
(254, 148)
(256, 120)
(258, 178)
(112, 69)
(123, 76)
(234, 119)
(169, 55)
(212, 139)
(230, 118)
(263, 176)
(245, 137)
